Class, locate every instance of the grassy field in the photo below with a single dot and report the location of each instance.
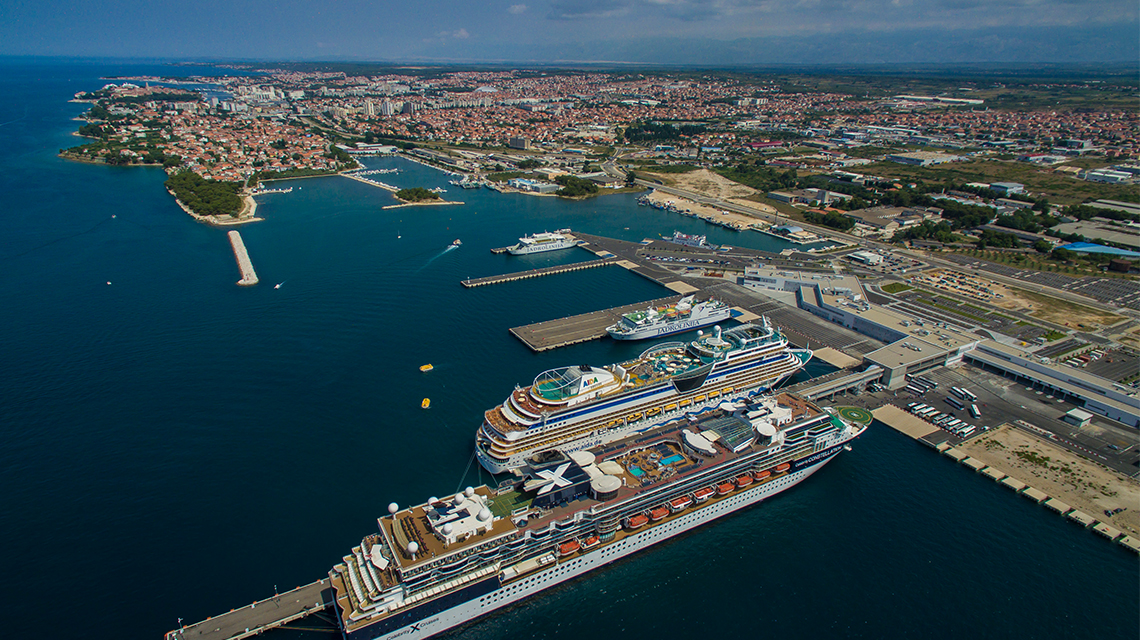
(1058, 188)
(896, 287)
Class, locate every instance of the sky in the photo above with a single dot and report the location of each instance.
(701, 32)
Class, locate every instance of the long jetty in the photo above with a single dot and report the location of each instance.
(584, 327)
(261, 616)
(248, 275)
(538, 273)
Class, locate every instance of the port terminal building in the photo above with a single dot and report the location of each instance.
(916, 344)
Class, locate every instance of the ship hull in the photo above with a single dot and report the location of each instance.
(491, 597)
(529, 249)
(672, 327)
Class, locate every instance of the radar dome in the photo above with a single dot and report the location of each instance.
(484, 514)
(469, 492)
(433, 500)
(458, 499)
(447, 529)
(413, 548)
(393, 508)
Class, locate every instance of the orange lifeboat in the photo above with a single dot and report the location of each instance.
(743, 481)
(760, 475)
(637, 521)
(782, 468)
(680, 504)
(568, 548)
(658, 514)
(704, 494)
(725, 489)
(590, 542)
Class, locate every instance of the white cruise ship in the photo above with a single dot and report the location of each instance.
(444, 563)
(544, 241)
(655, 322)
(572, 408)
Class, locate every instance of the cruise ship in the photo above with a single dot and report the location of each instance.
(444, 563)
(576, 407)
(655, 322)
(544, 241)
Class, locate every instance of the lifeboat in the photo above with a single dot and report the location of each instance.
(677, 505)
(760, 475)
(782, 468)
(426, 367)
(636, 522)
(426, 404)
(568, 548)
(714, 394)
(633, 417)
(704, 494)
(658, 514)
(743, 481)
(670, 407)
(699, 399)
(590, 542)
(725, 489)
(686, 402)
(654, 411)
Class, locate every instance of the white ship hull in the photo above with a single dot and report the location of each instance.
(526, 249)
(677, 326)
(563, 571)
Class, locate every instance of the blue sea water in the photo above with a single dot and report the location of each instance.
(172, 445)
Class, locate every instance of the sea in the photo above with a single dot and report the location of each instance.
(173, 446)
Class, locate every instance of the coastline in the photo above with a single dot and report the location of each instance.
(247, 214)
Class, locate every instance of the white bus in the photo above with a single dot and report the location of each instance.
(969, 396)
(974, 411)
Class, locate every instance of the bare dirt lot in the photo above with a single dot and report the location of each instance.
(1051, 309)
(1076, 481)
(709, 183)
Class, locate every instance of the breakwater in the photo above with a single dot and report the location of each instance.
(248, 275)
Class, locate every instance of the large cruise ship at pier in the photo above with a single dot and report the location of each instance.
(541, 242)
(572, 408)
(437, 565)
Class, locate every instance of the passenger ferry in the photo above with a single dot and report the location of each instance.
(582, 406)
(655, 322)
(541, 242)
(444, 563)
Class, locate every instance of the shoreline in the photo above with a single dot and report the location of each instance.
(247, 214)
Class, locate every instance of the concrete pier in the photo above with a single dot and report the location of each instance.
(260, 616)
(538, 273)
(584, 327)
(248, 275)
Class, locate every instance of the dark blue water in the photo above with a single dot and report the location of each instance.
(174, 445)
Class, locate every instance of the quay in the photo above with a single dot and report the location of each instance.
(538, 273)
(584, 327)
(261, 616)
(375, 183)
(907, 424)
(248, 275)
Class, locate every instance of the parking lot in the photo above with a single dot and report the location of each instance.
(1000, 400)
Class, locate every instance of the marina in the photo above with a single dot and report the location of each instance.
(248, 275)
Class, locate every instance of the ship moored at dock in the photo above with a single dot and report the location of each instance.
(444, 563)
(576, 407)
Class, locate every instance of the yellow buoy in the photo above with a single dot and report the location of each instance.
(426, 404)
(426, 367)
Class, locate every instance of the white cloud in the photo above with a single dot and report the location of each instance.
(461, 34)
(517, 9)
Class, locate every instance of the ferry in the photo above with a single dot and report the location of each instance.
(655, 322)
(541, 242)
(576, 407)
(435, 566)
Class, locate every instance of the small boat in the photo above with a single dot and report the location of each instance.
(725, 489)
(782, 468)
(760, 475)
(658, 514)
(743, 481)
(680, 504)
(426, 367)
(568, 548)
(703, 494)
(637, 521)
(456, 243)
(426, 404)
(590, 542)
